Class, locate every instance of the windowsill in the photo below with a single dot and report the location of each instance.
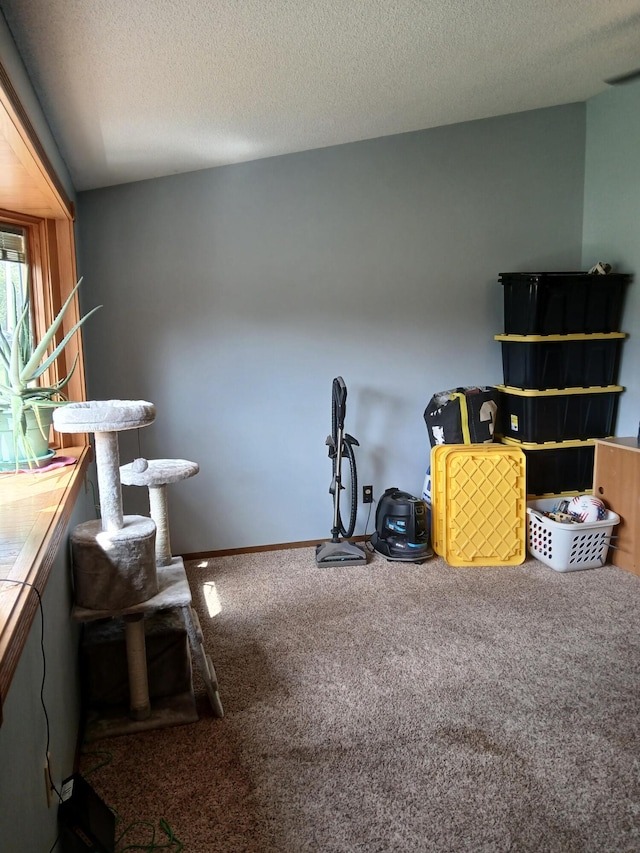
(35, 510)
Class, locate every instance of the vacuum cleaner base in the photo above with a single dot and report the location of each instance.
(340, 554)
(401, 551)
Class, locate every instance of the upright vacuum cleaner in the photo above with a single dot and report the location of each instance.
(339, 552)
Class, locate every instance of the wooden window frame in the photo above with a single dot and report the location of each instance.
(35, 509)
(52, 276)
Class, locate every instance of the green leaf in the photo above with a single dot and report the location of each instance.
(15, 362)
(41, 349)
(54, 355)
(5, 349)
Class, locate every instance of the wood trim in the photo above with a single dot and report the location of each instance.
(36, 510)
(15, 110)
(257, 549)
(62, 264)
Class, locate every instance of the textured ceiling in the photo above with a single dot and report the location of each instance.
(136, 89)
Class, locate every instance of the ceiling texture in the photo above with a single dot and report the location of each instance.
(137, 89)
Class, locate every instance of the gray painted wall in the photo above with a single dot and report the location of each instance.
(26, 824)
(612, 219)
(233, 296)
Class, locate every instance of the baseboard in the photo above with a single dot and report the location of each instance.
(256, 549)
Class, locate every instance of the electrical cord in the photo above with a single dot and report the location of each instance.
(44, 674)
(103, 763)
(367, 544)
(153, 844)
(164, 825)
(96, 502)
(42, 683)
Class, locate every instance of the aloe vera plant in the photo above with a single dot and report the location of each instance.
(21, 365)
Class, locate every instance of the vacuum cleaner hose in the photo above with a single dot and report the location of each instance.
(353, 481)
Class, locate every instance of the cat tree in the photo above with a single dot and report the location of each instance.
(119, 569)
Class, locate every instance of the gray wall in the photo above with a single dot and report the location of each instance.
(612, 219)
(233, 296)
(26, 824)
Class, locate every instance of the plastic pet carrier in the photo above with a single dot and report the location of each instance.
(562, 303)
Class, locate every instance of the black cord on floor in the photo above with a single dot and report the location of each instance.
(369, 547)
(172, 844)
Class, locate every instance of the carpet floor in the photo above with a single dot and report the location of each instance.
(398, 707)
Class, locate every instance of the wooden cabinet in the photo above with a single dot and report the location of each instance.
(616, 479)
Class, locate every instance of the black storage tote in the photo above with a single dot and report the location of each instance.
(557, 468)
(557, 415)
(562, 303)
(560, 361)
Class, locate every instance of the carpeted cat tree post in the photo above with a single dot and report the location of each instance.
(114, 562)
(156, 475)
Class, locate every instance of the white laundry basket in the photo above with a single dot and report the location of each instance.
(567, 547)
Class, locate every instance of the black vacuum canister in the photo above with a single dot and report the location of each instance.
(402, 527)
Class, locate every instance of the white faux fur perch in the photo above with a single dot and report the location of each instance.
(104, 416)
(156, 474)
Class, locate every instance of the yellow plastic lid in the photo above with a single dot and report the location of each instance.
(478, 512)
(582, 336)
(569, 494)
(556, 392)
(546, 445)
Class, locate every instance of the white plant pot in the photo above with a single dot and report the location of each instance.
(39, 440)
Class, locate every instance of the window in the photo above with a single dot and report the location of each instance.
(42, 252)
(13, 273)
(36, 220)
(13, 281)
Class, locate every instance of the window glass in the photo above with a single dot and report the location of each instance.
(13, 275)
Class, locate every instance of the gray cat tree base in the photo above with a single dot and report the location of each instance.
(173, 592)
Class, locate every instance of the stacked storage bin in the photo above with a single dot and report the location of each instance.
(560, 357)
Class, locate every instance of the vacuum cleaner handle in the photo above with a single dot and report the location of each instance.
(340, 399)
